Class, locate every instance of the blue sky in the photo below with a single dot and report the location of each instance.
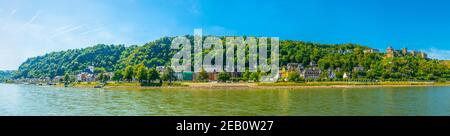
(30, 27)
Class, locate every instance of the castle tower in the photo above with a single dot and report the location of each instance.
(405, 51)
(390, 52)
(423, 55)
(413, 53)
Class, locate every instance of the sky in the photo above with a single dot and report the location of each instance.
(31, 28)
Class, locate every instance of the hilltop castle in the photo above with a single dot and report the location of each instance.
(391, 52)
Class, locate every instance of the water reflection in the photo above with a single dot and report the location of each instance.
(36, 100)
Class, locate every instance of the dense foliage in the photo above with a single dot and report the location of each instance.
(72, 61)
(5, 75)
(136, 62)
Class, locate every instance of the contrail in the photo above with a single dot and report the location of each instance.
(68, 30)
(36, 15)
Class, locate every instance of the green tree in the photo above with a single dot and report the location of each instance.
(371, 74)
(202, 75)
(246, 75)
(224, 76)
(153, 74)
(293, 77)
(98, 70)
(118, 76)
(255, 76)
(141, 73)
(128, 74)
(66, 78)
(100, 77)
(168, 75)
(104, 78)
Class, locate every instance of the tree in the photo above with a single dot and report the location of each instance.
(202, 75)
(153, 74)
(324, 75)
(339, 74)
(293, 77)
(72, 61)
(141, 73)
(66, 78)
(98, 70)
(128, 74)
(224, 76)
(255, 76)
(104, 78)
(5, 75)
(118, 76)
(100, 77)
(168, 75)
(371, 74)
(246, 75)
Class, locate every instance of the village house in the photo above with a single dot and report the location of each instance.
(371, 51)
(346, 75)
(313, 72)
(347, 51)
(87, 75)
(283, 74)
(293, 66)
(180, 76)
(236, 74)
(358, 68)
(213, 74)
(290, 68)
(57, 78)
(331, 74)
(45, 79)
(160, 69)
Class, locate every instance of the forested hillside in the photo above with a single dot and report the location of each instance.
(72, 61)
(6, 75)
(111, 58)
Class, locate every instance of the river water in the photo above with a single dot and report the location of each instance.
(41, 100)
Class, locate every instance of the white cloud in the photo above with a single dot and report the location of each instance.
(438, 54)
(65, 31)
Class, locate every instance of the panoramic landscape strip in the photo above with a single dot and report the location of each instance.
(225, 67)
(302, 64)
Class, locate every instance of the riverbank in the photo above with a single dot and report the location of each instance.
(279, 85)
